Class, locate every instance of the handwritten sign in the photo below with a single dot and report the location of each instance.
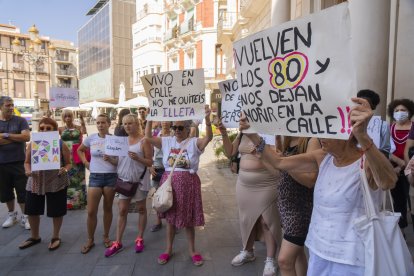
(230, 103)
(374, 130)
(269, 139)
(63, 97)
(45, 151)
(116, 145)
(175, 95)
(297, 78)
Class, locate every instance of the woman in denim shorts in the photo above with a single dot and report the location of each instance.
(102, 181)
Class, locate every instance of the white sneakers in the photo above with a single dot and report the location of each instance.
(243, 257)
(24, 222)
(12, 220)
(269, 269)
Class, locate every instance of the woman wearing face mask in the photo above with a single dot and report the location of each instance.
(401, 110)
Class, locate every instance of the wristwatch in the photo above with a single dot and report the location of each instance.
(6, 135)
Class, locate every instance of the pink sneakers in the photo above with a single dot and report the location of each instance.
(139, 245)
(115, 248)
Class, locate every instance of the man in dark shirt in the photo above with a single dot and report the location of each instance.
(14, 133)
(142, 112)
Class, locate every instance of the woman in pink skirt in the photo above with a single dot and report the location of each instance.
(187, 209)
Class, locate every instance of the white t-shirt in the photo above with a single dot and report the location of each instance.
(189, 159)
(97, 147)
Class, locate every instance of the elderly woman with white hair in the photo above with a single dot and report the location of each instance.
(187, 209)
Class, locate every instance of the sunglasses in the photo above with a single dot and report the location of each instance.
(180, 128)
(45, 128)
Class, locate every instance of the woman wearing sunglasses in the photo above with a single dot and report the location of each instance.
(187, 209)
(102, 180)
(72, 135)
(49, 184)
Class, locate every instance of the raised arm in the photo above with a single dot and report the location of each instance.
(155, 141)
(203, 142)
(147, 149)
(379, 169)
(230, 149)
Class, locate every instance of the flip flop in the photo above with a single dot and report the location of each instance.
(164, 258)
(52, 241)
(197, 260)
(29, 242)
(107, 242)
(86, 248)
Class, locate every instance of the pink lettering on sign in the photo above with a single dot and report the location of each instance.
(343, 118)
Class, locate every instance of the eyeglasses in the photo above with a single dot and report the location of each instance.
(45, 128)
(180, 128)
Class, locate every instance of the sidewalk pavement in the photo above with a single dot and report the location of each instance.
(219, 241)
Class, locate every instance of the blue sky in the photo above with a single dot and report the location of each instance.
(58, 19)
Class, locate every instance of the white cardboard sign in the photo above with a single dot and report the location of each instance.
(116, 145)
(230, 103)
(45, 151)
(176, 95)
(374, 130)
(297, 78)
(63, 97)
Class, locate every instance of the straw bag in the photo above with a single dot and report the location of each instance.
(386, 252)
(163, 197)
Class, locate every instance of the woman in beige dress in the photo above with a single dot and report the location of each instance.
(256, 192)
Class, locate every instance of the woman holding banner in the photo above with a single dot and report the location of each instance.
(102, 180)
(257, 195)
(332, 240)
(133, 169)
(50, 185)
(72, 135)
(187, 209)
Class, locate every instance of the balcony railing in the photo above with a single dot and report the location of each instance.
(187, 26)
(171, 33)
(64, 85)
(41, 70)
(66, 72)
(18, 66)
(226, 21)
(62, 58)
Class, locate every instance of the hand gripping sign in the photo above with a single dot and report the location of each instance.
(297, 78)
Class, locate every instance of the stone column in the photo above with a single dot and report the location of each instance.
(280, 12)
(370, 28)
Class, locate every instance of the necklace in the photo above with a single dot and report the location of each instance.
(396, 139)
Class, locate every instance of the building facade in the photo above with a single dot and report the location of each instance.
(191, 37)
(18, 79)
(148, 49)
(105, 51)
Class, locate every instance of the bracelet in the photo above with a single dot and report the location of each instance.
(260, 146)
(367, 147)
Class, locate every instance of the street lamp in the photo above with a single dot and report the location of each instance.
(36, 58)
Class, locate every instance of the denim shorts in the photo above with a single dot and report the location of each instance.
(101, 180)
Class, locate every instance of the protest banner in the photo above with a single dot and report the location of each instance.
(45, 151)
(230, 103)
(175, 95)
(374, 130)
(297, 78)
(63, 97)
(116, 145)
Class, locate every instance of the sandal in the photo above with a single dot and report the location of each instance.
(197, 260)
(164, 258)
(29, 242)
(107, 242)
(87, 247)
(52, 241)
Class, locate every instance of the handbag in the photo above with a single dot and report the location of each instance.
(162, 199)
(76, 157)
(128, 188)
(386, 252)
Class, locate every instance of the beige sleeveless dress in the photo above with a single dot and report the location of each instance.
(256, 192)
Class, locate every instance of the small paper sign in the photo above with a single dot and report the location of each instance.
(45, 151)
(63, 97)
(374, 130)
(116, 145)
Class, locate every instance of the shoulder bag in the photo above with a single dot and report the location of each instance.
(162, 199)
(127, 188)
(386, 252)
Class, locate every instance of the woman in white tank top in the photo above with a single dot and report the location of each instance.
(333, 245)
